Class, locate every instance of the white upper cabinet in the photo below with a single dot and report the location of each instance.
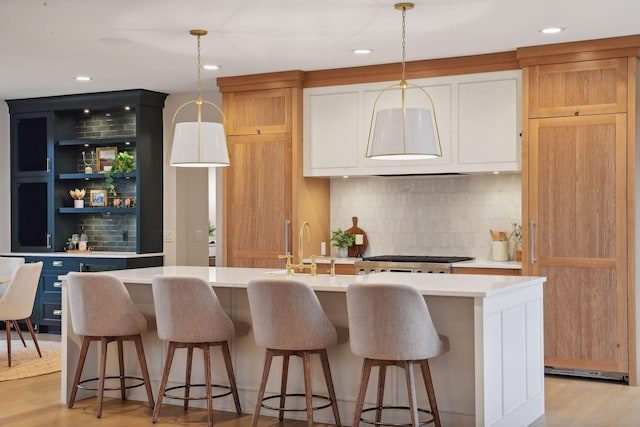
(478, 118)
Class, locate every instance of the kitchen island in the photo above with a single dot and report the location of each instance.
(492, 376)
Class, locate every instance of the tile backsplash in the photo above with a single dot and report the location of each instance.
(428, 215)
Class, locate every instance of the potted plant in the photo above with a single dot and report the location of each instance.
(123, 162)
(342, 240)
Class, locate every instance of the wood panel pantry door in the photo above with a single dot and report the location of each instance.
(577, 198)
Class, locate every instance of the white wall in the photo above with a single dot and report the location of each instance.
(428, 215)
(5, 180)
(186, 193)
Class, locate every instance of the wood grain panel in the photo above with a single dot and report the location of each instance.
(591, 87)
(490, 271)
(252, 113)
(578, 197)
(259, 197)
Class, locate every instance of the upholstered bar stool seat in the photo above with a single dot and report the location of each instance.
(102, 310)
(189, 315)
(390, 325)
(288, 320)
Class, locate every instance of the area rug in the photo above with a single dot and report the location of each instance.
(25, 362)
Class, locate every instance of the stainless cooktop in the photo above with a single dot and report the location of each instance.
(418, 258)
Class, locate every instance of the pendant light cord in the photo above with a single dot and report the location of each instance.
(404, 44)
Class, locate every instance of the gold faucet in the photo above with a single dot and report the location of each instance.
(301, 242)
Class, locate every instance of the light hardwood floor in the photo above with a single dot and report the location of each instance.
(33, 402)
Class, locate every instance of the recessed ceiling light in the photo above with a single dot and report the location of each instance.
(127, 108)
(211, 67)
(362, 51)
(552, 30)
(83, 78)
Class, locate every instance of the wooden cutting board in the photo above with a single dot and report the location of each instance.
(353, 250)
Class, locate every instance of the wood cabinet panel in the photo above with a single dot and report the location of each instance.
(490, 271)
(257, 112)
(259, 190)
(580, 88)
(577, 196)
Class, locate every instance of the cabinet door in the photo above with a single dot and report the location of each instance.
(577, 196)
(31, 218)
(489, 124)
(578, 88)
(258, 112)
(32, 144)
(258, 200)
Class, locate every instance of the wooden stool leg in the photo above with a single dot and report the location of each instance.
(332, 392)
(187, 379)
(283, 385)
(306, 361)
(83, 355)
(382, 377)
(17, 328)
(123, 394)
(411, 391)
(142, 360)
(426, 376)
(364, 382)
(33, 335)
(103, 369)
(232, 378)
(163, 381)
(207, 379)
(263, 384)
(7, 325)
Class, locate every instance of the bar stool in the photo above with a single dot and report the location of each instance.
(102, 310)
(190, 316)
(390, 325)
(288, 320)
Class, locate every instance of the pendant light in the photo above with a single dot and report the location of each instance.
(198, 144)
(403, 133)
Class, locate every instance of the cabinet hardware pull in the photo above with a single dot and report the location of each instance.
(287, 223)
(48, 164)
(57, 312)
(57, 263)
(532, 239)
(258, 131)
(57, 284)
(48, 240)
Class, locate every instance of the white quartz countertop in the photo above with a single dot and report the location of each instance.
(428, 284)
(96, 254)
(475, 263)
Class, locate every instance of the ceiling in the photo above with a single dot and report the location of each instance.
(128, 44)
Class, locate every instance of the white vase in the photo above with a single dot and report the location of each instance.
(78, 203)
(343, 252)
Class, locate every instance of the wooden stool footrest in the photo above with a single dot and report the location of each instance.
(213, 396)
(406, 408)
(278, 396)
(114, 377)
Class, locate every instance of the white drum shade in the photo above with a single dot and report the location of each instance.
(404, 137)
(199, 144)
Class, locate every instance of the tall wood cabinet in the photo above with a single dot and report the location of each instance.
(578, 145)
(265, 197)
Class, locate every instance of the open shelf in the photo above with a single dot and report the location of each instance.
(88, 176)
(97, 209)
(98, 141)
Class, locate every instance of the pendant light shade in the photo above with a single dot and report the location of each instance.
(403, 133)
(198, 144)
(407, 134)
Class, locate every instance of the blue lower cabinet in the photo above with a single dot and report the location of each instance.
(47, 309)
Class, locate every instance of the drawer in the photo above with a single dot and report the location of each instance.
(51, 287)
(50, 313)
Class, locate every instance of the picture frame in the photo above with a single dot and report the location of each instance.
(98, 198)
(105, 157)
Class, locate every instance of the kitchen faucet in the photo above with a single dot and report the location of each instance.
(301, 241)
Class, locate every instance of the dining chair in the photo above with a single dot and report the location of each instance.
(17, 301)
